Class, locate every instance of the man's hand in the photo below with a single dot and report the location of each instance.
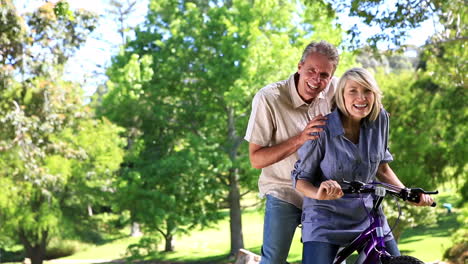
(310, 132)
(262, 156)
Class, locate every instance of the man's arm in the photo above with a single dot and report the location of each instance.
(261, 157)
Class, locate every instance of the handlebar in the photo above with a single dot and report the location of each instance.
(406, 194)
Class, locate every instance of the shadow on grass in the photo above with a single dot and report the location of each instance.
(446, 225)
(405, 252)
(222, 259)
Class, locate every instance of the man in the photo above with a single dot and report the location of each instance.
(284, 116)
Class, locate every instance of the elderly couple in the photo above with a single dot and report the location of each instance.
(307, 133)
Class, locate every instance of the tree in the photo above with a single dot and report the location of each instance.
(207, 61)
(427, 106)
(45, 156)
(122, 11)
(432, 107)
(396, 21)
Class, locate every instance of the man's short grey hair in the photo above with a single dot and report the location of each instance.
(323, 48)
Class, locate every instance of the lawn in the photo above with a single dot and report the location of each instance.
(212, 245)
(429, 243)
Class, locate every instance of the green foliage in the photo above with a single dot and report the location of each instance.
(457, 253)
(11, 35)
(427, 109)
(395, 21)
(62, 9)
(56, 160)
(62, 248)
(183, 90)
(425, 135)
(411, 216)
(146, 246)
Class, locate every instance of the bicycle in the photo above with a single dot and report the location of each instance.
(371, 243)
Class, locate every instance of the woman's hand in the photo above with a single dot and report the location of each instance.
(329, 190)
(424, 200)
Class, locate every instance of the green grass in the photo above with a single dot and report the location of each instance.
(430, 243)
(113, 250)
(212, 245)
(204, 245)
(426, 243)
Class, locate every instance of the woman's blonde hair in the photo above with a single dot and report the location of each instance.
(365, 79)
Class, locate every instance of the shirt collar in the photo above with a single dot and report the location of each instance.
(336, 127)
(334, 123)
(296, 98)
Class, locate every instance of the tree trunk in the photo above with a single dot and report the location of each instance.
(37, 256)
(90, 210)
(135, 230)
(168, 247)
(35, 252)
(168, 237)
(235, 214)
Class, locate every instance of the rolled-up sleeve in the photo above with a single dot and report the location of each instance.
(310, 155)
(261, 123)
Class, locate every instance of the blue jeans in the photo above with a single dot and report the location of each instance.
(279, 225)
(325, 253)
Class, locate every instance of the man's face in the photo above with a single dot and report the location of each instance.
(314, 74)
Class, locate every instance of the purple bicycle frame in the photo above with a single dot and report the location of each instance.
(370, 242)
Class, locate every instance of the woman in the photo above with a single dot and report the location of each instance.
(352, 146)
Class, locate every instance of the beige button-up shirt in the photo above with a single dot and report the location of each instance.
(279, 113)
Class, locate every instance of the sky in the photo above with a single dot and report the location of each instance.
(96, 53)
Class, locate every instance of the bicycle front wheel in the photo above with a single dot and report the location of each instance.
(402, 260)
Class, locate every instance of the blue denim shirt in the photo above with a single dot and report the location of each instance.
(333, 156)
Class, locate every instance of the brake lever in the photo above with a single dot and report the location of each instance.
(354, 186)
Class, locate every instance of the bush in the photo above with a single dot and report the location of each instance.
(11, 255)
(411, 216)
(62, 248)
(147, 246)
(458, 253)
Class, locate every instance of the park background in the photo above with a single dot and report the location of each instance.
(142, 157)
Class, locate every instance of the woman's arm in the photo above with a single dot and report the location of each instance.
(328, 190)
(385, 174)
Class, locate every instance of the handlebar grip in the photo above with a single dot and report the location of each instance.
(353, 190)
(414, 198)
(414, 195)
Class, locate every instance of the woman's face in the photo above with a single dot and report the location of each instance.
(358, 100)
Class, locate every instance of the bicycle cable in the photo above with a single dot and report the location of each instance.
(398, 218)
